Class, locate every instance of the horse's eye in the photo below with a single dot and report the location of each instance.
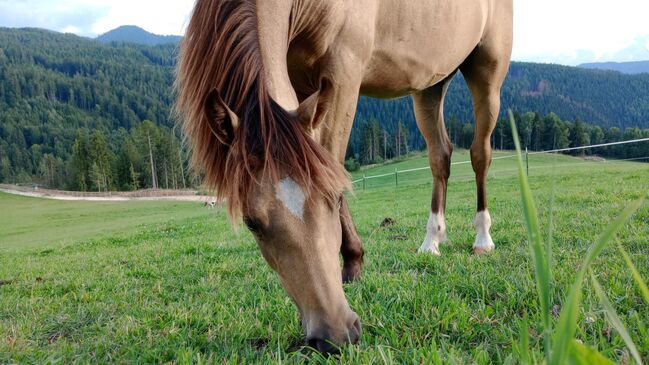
(253, 225)
(339, 203)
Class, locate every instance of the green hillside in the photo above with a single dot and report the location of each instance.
(59, 89)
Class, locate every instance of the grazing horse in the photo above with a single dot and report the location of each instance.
(267, 92)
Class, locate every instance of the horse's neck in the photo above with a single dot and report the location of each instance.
(298, 21)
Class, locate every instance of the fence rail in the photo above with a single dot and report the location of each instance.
(398, 172)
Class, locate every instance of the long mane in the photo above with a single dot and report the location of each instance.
(221, 50)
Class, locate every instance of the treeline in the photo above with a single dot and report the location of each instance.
(148, 156)
(536, 133)
(549, 132)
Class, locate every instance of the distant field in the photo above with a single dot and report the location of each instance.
(503, 165)
(36, 223)
(152, 282)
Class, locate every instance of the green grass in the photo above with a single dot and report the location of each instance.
(38, 223)
(191, 290)
(504, 165)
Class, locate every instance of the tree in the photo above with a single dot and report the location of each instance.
(147, 138)
(81, 162)
(48, 169)
(466, 135)
(538, 129)
(579, 135)
(101, 158)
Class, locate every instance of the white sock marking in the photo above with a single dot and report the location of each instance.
(292, 196)
(482, 223)
(435, 233)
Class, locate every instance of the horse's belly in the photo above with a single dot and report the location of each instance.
(417, 44)
(388, 77)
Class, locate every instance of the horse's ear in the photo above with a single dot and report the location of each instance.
(307, 110)
(222, 121)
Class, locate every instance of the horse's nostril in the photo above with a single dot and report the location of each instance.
(324, 346)
(355, 331)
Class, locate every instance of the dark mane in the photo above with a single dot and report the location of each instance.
(221, 50)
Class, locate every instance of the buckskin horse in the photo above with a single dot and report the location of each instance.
(267, 91)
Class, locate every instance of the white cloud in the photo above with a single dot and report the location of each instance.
(160, 17)
(571, 31)
(71, 29)
(560, 31)
(52, 15)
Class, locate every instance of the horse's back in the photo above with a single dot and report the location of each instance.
(419, 43)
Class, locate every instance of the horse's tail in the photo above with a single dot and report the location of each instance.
(221, 50)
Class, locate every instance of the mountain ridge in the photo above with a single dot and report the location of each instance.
(629, 68)
(135, 34)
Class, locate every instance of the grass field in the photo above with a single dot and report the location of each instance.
(171, 282)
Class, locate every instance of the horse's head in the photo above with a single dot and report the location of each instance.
(300, 238)
(299, 233)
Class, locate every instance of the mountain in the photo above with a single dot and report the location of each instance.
(134, 34)
(54, 85)
(630, 68)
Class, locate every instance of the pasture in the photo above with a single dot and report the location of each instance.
(159, 282)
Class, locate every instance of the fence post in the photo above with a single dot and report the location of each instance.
(396, 177)
(363, 182)
(527, 163)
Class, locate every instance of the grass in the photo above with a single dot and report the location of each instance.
(504, 165)
(39, 223)
(187, 289)
(562, 346)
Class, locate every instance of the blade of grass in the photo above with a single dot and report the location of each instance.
(548, 242)
(524, 342)
(644, 291)
(615, 320)
(567, 325)
(542, 270)
(582, 354)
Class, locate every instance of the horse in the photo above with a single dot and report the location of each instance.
(267, 92)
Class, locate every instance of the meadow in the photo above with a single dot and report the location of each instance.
(136, 282)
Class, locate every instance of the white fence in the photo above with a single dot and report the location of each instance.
(398, 172)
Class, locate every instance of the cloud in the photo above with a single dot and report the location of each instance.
(576, 31)
(94, 17)
(161, 17)
(559, 31)
(59, 16)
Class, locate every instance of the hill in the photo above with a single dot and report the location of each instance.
(631, 68)
(55, 86)
(134, 34)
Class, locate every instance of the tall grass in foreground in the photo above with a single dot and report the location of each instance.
(560, 345)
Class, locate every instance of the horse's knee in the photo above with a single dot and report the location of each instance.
(480, 156)
(440, 159)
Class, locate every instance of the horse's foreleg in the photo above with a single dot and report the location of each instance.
(352, 247)
(334, 122)
(429, 112)
(484, 72)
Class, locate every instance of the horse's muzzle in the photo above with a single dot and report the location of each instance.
(327, 345)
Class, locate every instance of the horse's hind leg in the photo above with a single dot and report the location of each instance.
(485, 71)
(429, 112)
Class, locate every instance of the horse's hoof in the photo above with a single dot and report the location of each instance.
(430, 250)
(482, 250)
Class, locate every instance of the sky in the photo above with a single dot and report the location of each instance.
(558, 31)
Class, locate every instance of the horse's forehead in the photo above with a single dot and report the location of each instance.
(292, 196)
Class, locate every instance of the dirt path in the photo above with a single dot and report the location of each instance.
(184, 195)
